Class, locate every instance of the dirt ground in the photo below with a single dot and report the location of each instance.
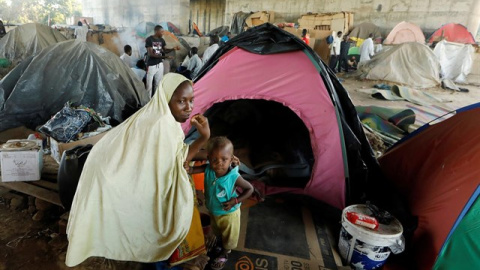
(452, 99)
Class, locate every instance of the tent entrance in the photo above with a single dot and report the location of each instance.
(269, 138)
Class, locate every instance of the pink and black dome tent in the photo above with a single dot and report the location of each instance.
(273, 96)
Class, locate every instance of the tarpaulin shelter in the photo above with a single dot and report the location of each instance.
(80, 72)
(405, 32)
(456, 60)
(452, 32)
(28, 39)
(361, 32)
(436, 170)
(411, 64)
(249, 74)
(146, 29)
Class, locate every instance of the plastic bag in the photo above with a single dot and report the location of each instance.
(66, 124)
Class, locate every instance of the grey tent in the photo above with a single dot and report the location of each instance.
(27, 40)
(364, 29)
(411, 64)
(80, 72)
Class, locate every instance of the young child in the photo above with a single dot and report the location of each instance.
(221, 197)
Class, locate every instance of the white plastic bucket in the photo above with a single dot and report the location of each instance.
(367, 249)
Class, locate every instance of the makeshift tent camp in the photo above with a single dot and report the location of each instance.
(452, 32)
(28, 39)
(411, 64)
(303, 120)
(405, 32)
(456, 60)
(80, 72)
(436, 169)
(361, 32)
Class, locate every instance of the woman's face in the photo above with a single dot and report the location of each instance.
(181, 104)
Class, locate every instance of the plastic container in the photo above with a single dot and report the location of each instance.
(367, 249)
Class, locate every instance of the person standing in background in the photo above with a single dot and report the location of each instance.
(305, 37)
(343, 59)
(81, 31)
(156, 50)
(127, 56)
(212, 49)
(367, 49)
(335, 50)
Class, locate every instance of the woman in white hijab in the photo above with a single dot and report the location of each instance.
(134, 200)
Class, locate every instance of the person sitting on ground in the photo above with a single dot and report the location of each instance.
(81, 31)
(305, 37)
(343, 59)
(127, 56)
(195, 63)
(211, 50)
(226, 37)
(221, 198)
(352, 63)
(140, 69)
(367, 49)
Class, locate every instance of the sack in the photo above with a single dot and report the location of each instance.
(329, 39)
(69, 173)
(66, 124)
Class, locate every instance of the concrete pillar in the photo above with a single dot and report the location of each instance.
(474, 20)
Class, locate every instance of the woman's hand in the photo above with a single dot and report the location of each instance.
(201, 123)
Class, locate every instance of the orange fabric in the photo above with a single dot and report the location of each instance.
(199, 178)
(437, 171)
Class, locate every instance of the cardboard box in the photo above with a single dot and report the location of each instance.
(21, 165)
(58, 148)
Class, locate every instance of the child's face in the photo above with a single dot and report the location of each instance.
(220, 160)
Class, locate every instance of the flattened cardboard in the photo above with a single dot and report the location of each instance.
(58, 148)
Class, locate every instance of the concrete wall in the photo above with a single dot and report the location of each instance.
(129, 13)
(428, 14)
(207, 14)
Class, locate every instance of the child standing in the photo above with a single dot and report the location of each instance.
(221, 197)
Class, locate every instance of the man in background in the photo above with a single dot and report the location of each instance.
(212, 49)
(343, 59)
(367, 49)
(127, 56)
(195, 63)
(156, 52)
(335, 50)
(81, 31)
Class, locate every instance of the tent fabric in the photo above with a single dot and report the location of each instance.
(238, 22)
(412, 64)
(456, 60)
(361, 32)
(452, 32)
(329, 171)
(80, 72)
(405, 32)
(463, 244)
(436, 170)
(315, 95)
(27, 40)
